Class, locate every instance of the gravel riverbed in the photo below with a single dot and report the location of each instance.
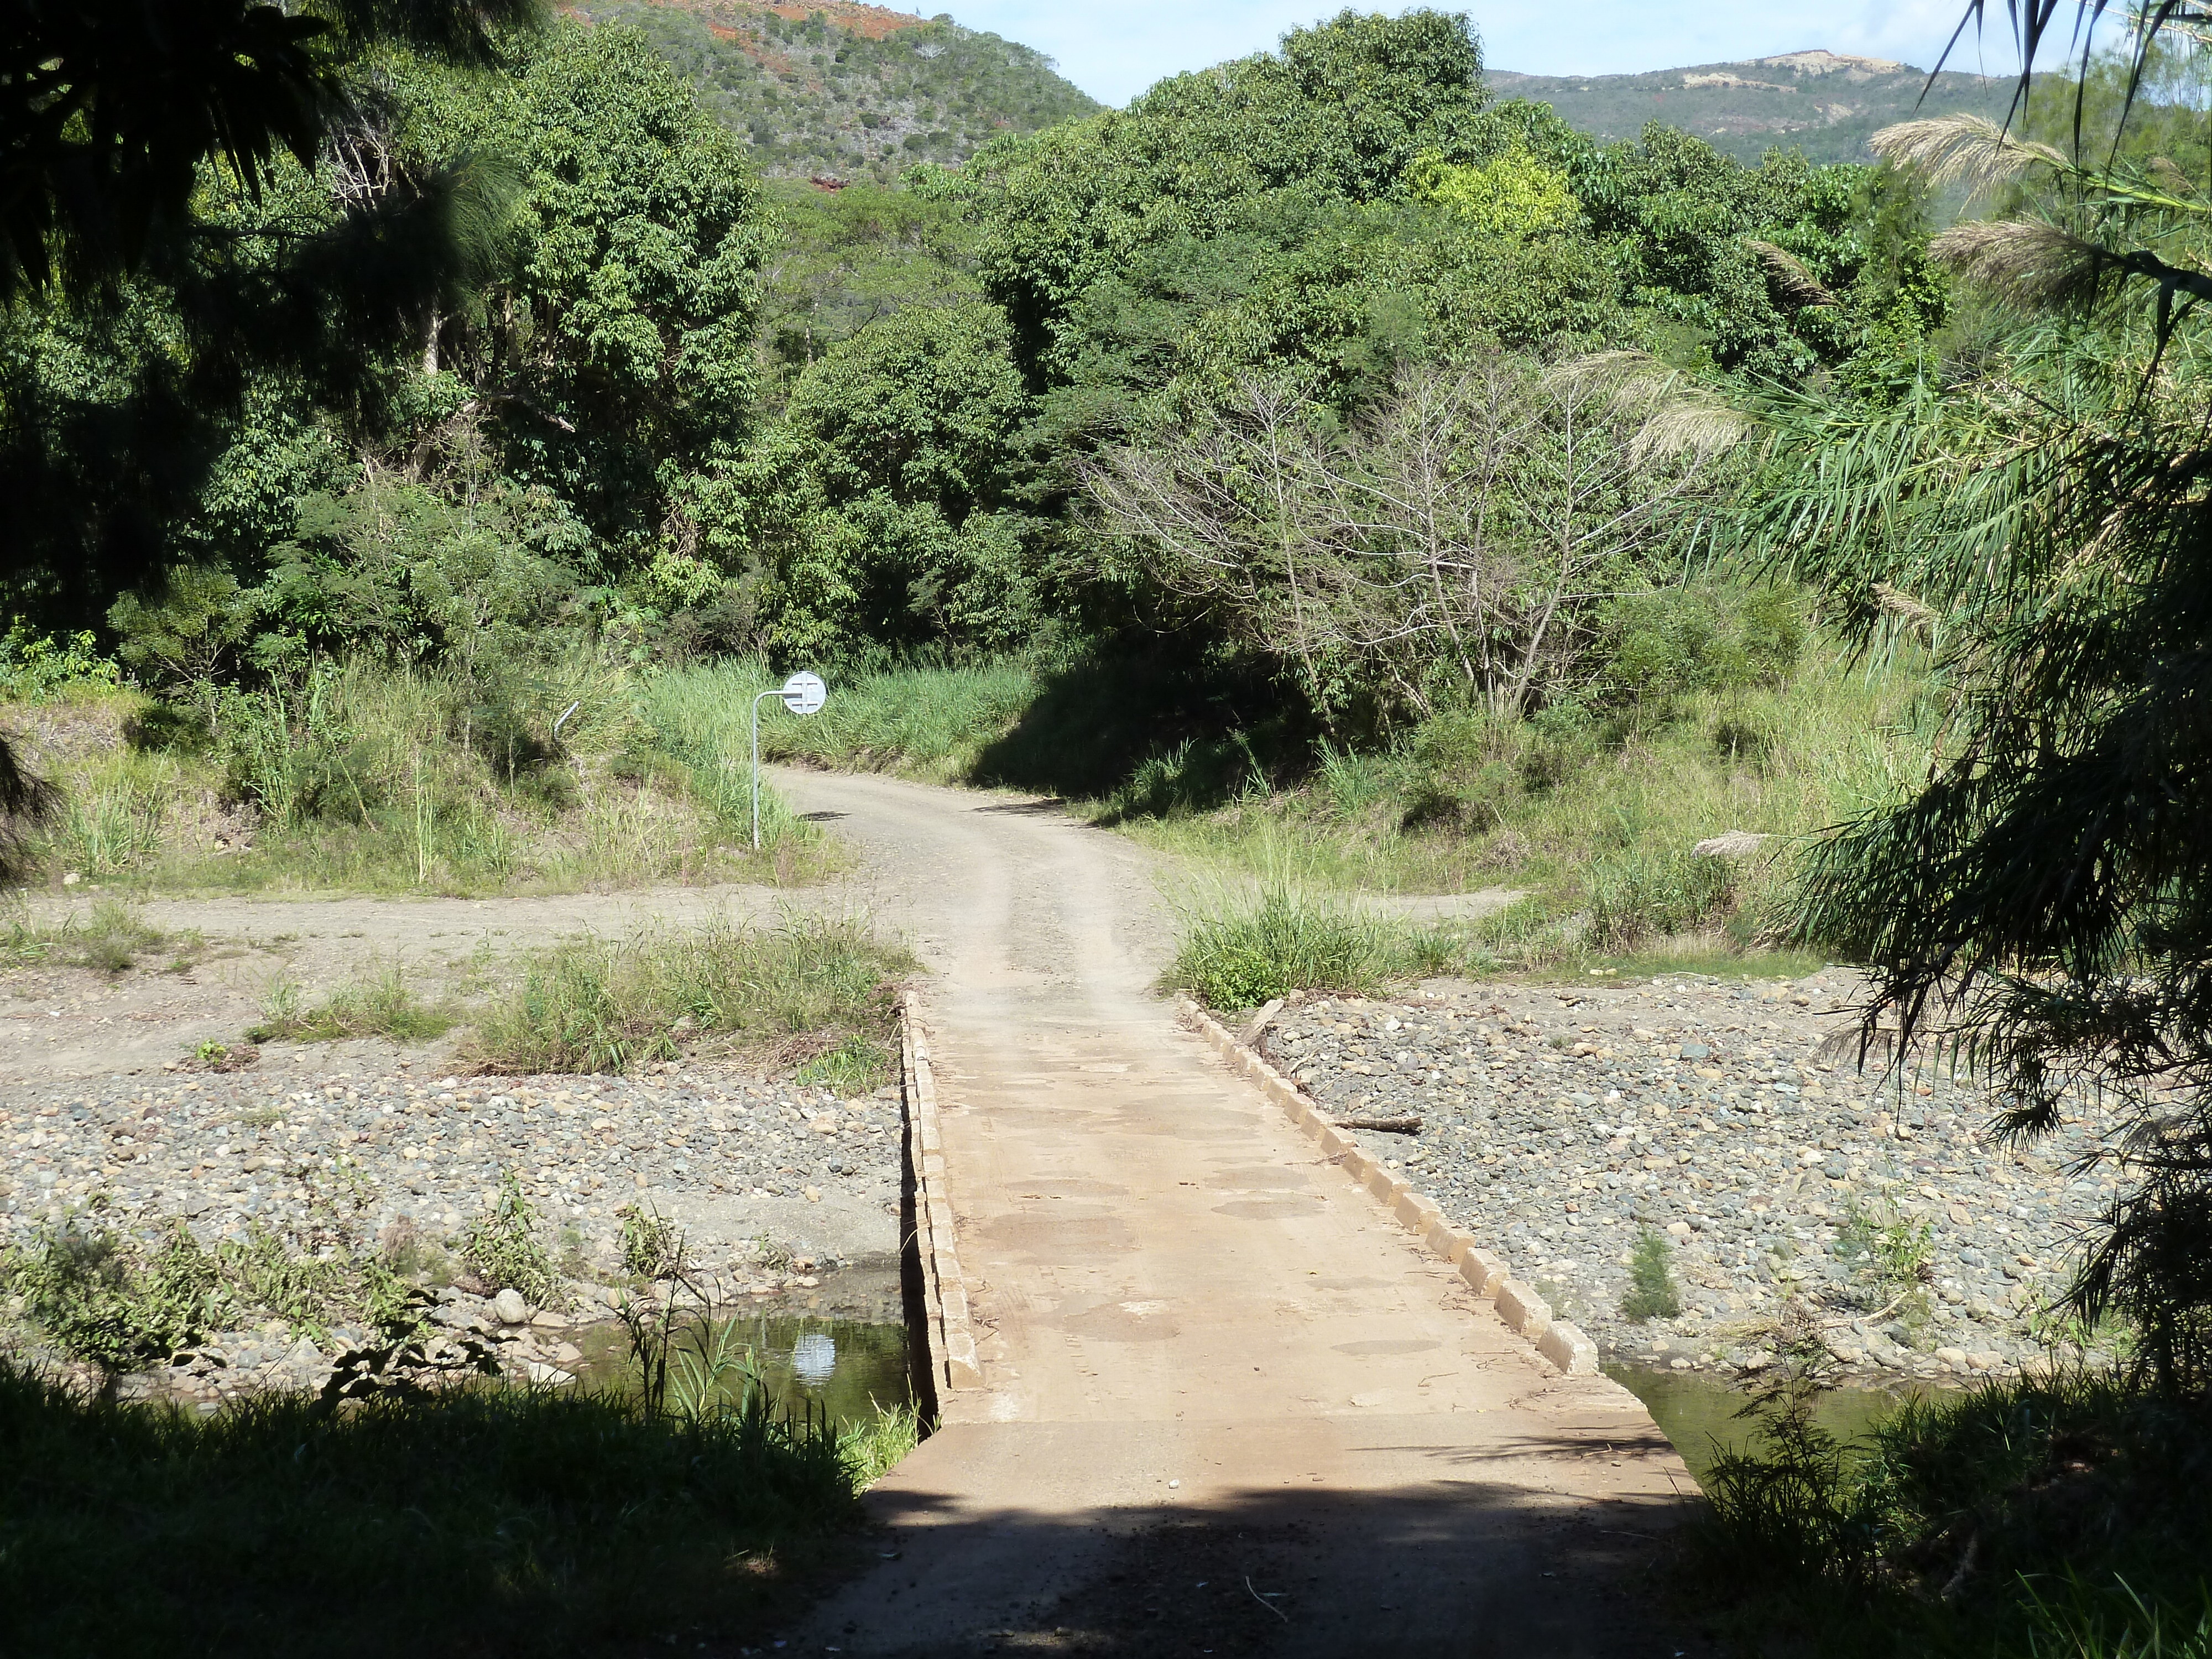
(776, 1183)
(1561, 1125)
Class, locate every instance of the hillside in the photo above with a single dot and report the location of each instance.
(1825, 103)
(849, 90)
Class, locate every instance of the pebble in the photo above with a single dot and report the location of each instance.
(1560, 1125)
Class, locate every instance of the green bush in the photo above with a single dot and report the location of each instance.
(106, 1299)
(1248, 950)
(102, 1299)
(1702, 636)
(503, 1247)
(40, 667)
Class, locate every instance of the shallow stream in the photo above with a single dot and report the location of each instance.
(844, 1356)
(1703, 1415)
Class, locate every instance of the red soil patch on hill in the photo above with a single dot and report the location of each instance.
(726, 18)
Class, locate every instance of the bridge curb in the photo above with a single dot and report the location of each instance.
(950, 1337)
(1563, 1345)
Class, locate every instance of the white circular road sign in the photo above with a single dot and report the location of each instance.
(804, 693)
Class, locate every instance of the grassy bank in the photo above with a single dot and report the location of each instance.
(1586, 813)
(2062, 1513)
(938, 723)
(491, 1522)
(377, 780)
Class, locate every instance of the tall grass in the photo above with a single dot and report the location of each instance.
(376, 779)
(931, 722)
(474, 1522)
(809, 986)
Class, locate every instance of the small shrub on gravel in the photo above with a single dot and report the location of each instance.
(596, 1005)
(1651, 1289)
(502, 1244)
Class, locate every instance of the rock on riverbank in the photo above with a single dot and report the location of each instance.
(1561, 1125)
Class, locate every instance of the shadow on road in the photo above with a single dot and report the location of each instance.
(1451, 1569)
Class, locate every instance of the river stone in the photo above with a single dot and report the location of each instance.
(510, 1307)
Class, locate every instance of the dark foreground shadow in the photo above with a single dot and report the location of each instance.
(1458, 1566)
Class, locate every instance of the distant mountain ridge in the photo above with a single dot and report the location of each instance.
(836, 88)
(1825, 103)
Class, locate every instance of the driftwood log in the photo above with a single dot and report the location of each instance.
(1388, 1126)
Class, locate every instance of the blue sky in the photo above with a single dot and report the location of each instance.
(1114, 52)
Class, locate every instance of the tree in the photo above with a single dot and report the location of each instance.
(137, 144)
(881, 505)
(2038, 508)
(1455, 545)
(608, 354)
(107, 110)
(1339, 113)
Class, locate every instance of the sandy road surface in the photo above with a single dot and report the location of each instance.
(1227, 1407)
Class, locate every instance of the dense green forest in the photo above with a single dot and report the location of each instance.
(700, 415)
(1323, 452)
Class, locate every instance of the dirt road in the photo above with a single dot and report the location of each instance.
(1226, 1407)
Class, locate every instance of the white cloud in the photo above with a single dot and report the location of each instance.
(1114, 53)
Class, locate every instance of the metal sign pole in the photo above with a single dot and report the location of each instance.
(756, 703)
(802, 694)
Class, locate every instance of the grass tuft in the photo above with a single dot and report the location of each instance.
(595, 1005)
(111, 940)
(1245, 949)
(382, 1006)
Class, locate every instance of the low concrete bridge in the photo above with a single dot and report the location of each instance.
(1221, 1400)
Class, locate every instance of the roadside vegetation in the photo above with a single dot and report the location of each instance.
(472, 1521)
